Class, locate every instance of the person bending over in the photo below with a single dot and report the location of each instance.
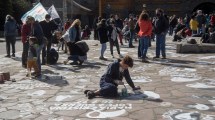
(112, 78)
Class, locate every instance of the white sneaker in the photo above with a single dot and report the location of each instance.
(112, 56)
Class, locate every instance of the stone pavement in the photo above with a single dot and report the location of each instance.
(181, 87)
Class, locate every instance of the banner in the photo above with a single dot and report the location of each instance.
(38, 12)
(53, 12)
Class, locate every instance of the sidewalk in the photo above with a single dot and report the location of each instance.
(180, 87)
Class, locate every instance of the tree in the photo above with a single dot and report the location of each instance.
(16, 8)
(20, 7)
(5, 9)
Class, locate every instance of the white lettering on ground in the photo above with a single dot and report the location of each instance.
(37, 93)
(206, 83)
(152, 95)
(199, 106)
(105, 114)
(141, 79)
(179, 114)
(62, 97)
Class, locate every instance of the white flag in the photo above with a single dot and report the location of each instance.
(38, 12)
(53, 12)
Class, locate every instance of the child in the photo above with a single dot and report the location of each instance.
(113, 38)
(32, 57)
(86, 33)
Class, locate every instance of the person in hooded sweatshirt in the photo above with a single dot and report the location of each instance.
(10, 34)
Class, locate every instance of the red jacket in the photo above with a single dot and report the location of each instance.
(145, 28)
(212, 20)
(25, 32)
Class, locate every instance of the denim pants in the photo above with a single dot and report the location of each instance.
(131, 37)
(171, 30)
(74, 58)
(39, 49)
(108, 89)
(10, 40)
(103, 48)
(46, 51)
(160, 44)
(112, 43)
(144, 44)
(139, 49)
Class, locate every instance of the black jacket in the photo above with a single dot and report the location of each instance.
(48, 28)
(103, 33)
(113, 74)
(161, 25)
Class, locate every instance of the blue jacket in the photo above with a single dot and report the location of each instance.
(10, 28)
(113, 74)
(38, 32)
(73, 33)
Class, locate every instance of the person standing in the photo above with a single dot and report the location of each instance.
(144, 34)
(161, 26)
(103, 37)
(36, 31)
(25, 33)
(193, 25)
(131, 25)
(48, 28)
(119, 24)
(10, 34)
(114, 31)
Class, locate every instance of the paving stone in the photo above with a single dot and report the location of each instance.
(35, 99)
(10, 114)
(146, 114)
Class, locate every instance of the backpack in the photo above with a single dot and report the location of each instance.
(191, 41)
(53, 56)
(212, 38)
(83, 46)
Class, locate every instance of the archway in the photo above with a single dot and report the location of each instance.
(206, 7)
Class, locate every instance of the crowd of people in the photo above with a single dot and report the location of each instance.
(38, 37)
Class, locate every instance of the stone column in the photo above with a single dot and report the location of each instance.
(64, 10)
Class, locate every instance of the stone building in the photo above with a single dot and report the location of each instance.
(87, 10)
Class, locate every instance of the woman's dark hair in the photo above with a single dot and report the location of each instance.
(144, 16)
(128, 61)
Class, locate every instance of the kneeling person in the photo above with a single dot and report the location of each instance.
(115, 72)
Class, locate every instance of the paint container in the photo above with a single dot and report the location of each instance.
(124, 92)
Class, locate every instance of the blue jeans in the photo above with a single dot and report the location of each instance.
(160, 45)
(171, 30)
(74, 58)
(39, 49)
(108, 89)
(103, 48)
(131, 37)
(144, 44)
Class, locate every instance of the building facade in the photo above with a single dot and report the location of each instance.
(87, 10)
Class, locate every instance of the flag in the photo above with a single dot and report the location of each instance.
(53, 12)
(38, 12)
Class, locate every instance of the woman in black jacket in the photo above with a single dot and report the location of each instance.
(103, 37)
